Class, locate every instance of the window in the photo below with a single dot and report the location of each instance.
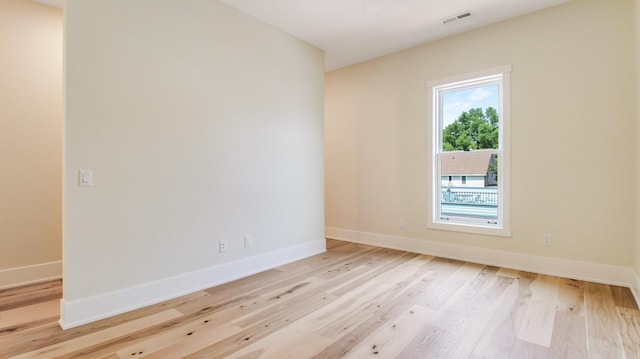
(470, 122)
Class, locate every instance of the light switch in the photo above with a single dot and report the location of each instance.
(84, 178)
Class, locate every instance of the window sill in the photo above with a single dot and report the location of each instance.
(468, 228)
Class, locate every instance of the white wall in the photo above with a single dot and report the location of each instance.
(30, 142)
(573, 109)
(637, 251)
(199, 124)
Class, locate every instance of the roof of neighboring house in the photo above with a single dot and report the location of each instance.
(467, 164)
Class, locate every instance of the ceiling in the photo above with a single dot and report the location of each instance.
(352, 31)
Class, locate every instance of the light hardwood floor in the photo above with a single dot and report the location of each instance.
(355, 301)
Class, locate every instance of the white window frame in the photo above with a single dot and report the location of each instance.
(500, 75)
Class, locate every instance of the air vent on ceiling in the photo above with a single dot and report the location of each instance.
(456, 17)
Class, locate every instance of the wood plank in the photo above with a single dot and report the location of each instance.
(95, 338)
(391, 260)
(30, 294)
(465, 331)
(222, 312)
(570, 329)
(603, 335)
(347, 311)
(214, 317)
(500, 334)
(350, 310)
(629, 320)
(341, 254)
(18, 338)
(468, 271)
(255, 332)
(356, 334)
(189, 340)
(296, 340)
(247, 285)
(333, 244)
(49, 336)
(393, 337)
(369, 260)
(537, 325)
(458, 327)
(13, 319)
(280, 293)
(412, 291)
(445, 281)
(334, 317)
(278, 303)
(511, 273)
(274, 317)
(622, 297)
(525, 350)
(281, 345)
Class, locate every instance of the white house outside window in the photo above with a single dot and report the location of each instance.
(470, 153)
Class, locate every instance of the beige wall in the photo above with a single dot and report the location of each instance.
(199, 123)
(572, 117)
(637, 252)
(30, 136)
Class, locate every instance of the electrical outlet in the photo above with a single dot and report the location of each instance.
(248, 241)
(547, 239)
(223, 246)
(402, 225)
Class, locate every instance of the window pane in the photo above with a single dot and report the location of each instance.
(478, 199)
(470, 118)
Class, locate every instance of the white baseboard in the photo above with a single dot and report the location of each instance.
(86, 310)
(592, 272)
(16, 277)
